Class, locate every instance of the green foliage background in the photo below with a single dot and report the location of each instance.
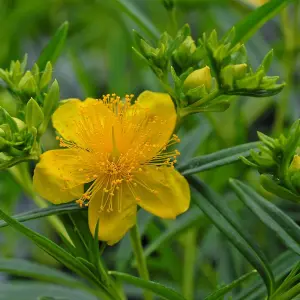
(190, 254)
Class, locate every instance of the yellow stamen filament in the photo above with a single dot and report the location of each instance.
(106, 162)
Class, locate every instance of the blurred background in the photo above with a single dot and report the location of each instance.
(98, 59)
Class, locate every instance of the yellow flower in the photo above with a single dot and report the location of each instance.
(118, 148)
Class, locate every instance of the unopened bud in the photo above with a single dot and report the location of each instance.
(183, 55)
(198, 78)
(295, 164)
(20, 124)
(47, 75)
(34, 114)
(231, 73)
(27, 84)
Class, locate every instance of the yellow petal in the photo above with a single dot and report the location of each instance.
(112, 224)
(84, 122)
(171, 196)
(59, 176)
(152, 121)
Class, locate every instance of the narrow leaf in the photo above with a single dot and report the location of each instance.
(249, 25)
(286, 229)
(54, 250)
(138, 17)
(280, 266)
(44, 212)
(227, 288)
(21, 267)
(216, 159)
(54, 48)
(224, 219)
(29, 290)
(155, 287)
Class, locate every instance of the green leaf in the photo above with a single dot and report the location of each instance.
(33, 290)
(217, 159)
(44, 212)
(280, 266)
(138, 17)
(227, 288)
(286, 229)
(189, 219)
(55, 251)
(155, 287)
(224, 219)
(249, 25)
(20, 267)
(54, 48)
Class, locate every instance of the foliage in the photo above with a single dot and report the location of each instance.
(240, 237)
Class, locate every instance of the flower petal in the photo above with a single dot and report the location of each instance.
(162, 191)
(59, 176)
(84, 122)
(113, 224)
(152, 121)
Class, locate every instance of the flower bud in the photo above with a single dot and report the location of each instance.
(27, 84)
(50, 103)
(34, 114)
(295, 164)
(198, 78)
(183, 55)
(20, 124)
(231, 73)
(47, 75)
(294, 171)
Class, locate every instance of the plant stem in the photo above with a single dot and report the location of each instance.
(140, 257)
(290, 33)
(21, 174)
(190, 250)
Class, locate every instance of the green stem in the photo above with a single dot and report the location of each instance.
(190, 250)
(290, 32)
(140, 257)
(21, 174)
(209, 97)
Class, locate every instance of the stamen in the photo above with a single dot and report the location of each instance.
(118, 148)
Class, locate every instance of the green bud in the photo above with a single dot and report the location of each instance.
(5, 77)
(2, 133)
(7, 131)
(34, 115)
(35, 71)
(184, 53)
(250, 82)
(5, 118)
(231, 73)
(266, 63)
(16, 72)
(50, 103)
(196, 93)
(198, 78)
(147, 50)
(4, 144)
(28, 84)
(47, 75)
(295, 164)
(21, 125)
(24, 63)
